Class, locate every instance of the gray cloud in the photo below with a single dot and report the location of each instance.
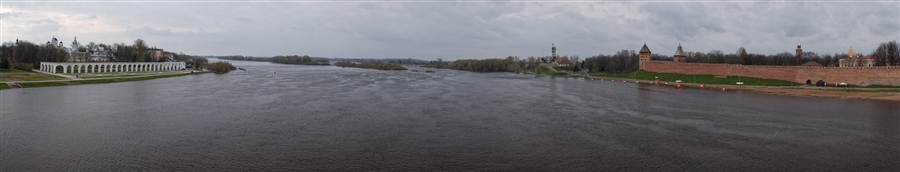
(454, 30)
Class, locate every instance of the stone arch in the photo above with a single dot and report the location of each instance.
(863, 84)
(820, 83)
(808, 82)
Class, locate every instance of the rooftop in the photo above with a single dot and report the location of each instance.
(645, 49)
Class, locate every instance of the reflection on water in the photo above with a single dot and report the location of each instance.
(330, 118)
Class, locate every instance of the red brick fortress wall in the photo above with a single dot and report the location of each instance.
(889, 75)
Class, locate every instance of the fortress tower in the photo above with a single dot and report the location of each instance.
(643, 57)
(679, 55)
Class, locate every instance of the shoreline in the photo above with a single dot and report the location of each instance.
(102, 80)
(800, 91)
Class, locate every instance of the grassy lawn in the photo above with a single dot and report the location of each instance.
(4, 86)
(99, 81)
(44, 84)
(21, 75)
(111, 80)
(701, 79)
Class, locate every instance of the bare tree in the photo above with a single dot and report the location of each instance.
(887, 54)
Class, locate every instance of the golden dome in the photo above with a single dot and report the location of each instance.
(850, 53)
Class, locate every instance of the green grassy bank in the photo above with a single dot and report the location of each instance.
(98, 81)
(544, 70)
(21, 75)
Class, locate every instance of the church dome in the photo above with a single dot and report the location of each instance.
(851, 53)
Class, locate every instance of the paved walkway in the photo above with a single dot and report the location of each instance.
(54, 74)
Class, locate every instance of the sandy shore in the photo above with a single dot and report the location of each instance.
(892, 96)
(790, 91)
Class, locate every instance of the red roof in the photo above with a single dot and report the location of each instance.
(811, 63)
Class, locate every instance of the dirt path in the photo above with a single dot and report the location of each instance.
(892, 96)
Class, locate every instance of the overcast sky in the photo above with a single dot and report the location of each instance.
(458, 29)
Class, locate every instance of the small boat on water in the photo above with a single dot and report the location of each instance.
(242, 69)
(429, 71)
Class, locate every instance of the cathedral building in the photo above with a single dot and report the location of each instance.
(853, 60)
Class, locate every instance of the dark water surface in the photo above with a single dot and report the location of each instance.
(329, 118)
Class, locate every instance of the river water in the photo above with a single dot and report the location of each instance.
(287, 117)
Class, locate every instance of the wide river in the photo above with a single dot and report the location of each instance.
(276, 117)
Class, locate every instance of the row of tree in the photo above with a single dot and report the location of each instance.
(887, 54)
(137, 52)
(26, 55)
(370, 65)
(292, 59)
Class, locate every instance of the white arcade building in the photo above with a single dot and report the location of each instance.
(53, 67)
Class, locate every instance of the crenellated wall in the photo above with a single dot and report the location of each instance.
(883, 75)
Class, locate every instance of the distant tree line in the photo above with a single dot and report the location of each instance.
(26, 55)
(292, 59)
(622, 62)
(370, 65)
(887, 54)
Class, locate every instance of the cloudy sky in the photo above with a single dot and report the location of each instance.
(457, 29)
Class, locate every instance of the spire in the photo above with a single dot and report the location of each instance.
(679, 52)
(645, 49)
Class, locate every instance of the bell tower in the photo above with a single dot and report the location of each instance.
(799, 55)
(644, 57)
(553, 51)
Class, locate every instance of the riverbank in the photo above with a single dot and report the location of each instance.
(890, 94)
(44, 81)
(370, 65)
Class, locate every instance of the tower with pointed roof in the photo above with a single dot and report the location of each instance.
(679, 55)
(643, 57)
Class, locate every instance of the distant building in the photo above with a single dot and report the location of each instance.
(853, 60)
(562, 63)
(158, 55)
